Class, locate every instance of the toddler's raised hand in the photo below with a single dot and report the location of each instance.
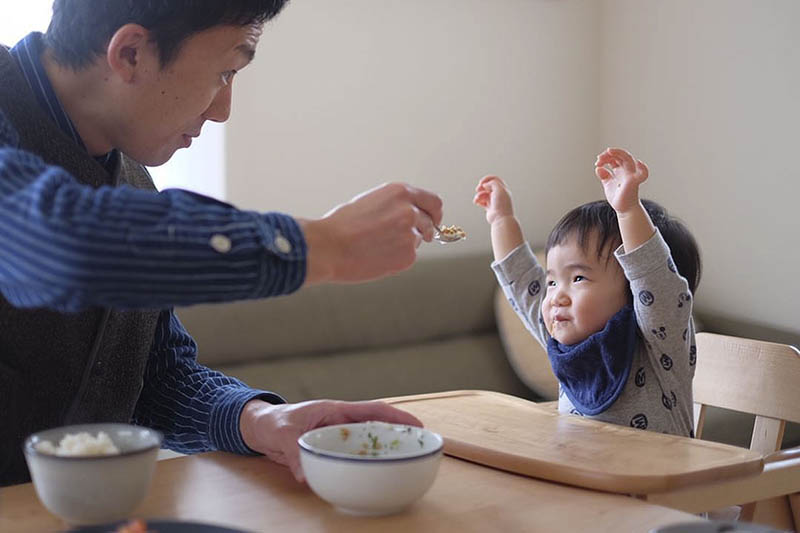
(621, 179)
(492, 194)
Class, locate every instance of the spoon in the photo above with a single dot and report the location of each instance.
(448, 234)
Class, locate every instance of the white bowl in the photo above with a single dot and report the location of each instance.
(370, 468)
(714, 526)
(94, 489)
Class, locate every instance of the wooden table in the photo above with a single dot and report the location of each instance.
(255, 494)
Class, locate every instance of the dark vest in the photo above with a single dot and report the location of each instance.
(64, 368)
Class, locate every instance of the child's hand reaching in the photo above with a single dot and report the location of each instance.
(621, 182)
(492, 194)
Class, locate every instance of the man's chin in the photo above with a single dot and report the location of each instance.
(153, 160)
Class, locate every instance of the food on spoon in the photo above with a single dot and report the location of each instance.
(453, 232)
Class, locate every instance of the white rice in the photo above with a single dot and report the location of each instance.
(80, 444)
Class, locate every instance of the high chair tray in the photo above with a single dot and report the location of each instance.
(524, 437)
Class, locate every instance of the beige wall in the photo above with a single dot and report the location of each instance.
(708, 92)
(345, 95)
(348, 94)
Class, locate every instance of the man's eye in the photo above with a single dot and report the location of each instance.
(578, 278)
(227, 76)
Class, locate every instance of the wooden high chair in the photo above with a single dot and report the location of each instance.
(760, 378)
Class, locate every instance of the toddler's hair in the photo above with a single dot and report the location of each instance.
(599, 218)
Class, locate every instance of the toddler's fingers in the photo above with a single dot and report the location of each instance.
(606, 159)
(624, 157)
(481, 199)
(603, 157)
(483, 194)
(642, 168)
(497, 186)
(603, 173)
(484, 180)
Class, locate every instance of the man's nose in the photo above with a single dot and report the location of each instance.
(220, 108)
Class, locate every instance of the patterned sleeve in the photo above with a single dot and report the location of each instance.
(663, 306)
(195, 407)
(68, 246)
(522, 279)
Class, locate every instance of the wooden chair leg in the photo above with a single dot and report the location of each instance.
(748, 512)
(774, 512)
(794, 504)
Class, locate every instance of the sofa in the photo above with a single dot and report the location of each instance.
(428, 329)
(442, 325)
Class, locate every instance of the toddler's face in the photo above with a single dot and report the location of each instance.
(583, 291)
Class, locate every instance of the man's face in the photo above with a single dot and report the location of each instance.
(583, 291)
(166, 107)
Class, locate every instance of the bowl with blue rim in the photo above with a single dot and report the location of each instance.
(370, 468)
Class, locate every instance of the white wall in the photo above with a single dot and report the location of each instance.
(199, 168)
(345, 95)
(708, 93)
(21, 18)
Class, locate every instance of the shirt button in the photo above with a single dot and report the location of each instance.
(220, 243)
(282, 244)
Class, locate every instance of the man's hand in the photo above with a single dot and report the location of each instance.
(274, 429)
(374, 234)
(621, 179)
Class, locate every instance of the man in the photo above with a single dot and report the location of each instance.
(93, 258)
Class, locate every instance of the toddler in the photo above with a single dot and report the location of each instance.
(614, 305)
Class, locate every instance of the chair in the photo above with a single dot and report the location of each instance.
(760, 378)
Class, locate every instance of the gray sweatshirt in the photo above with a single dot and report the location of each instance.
(658, 393)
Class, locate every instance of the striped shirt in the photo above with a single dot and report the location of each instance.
(68, 246)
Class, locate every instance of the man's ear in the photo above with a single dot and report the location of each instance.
(128, 50)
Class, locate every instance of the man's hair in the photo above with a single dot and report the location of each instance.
(598, 220)
(80, 30)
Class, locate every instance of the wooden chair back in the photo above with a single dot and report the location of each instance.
(759, 378)
(750, 376)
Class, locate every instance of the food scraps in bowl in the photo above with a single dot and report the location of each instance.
(370, 468)
(372, 444)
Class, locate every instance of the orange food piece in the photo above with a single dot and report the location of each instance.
(134, 526)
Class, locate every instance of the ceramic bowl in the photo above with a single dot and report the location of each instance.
(715, 526)
(94, 489)
(370, 468)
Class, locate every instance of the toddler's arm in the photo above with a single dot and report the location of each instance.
(492, 194)
(519, 274)
(661, 296)
(621, 186)
(663, 307)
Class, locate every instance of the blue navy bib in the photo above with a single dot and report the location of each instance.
(593, 372)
